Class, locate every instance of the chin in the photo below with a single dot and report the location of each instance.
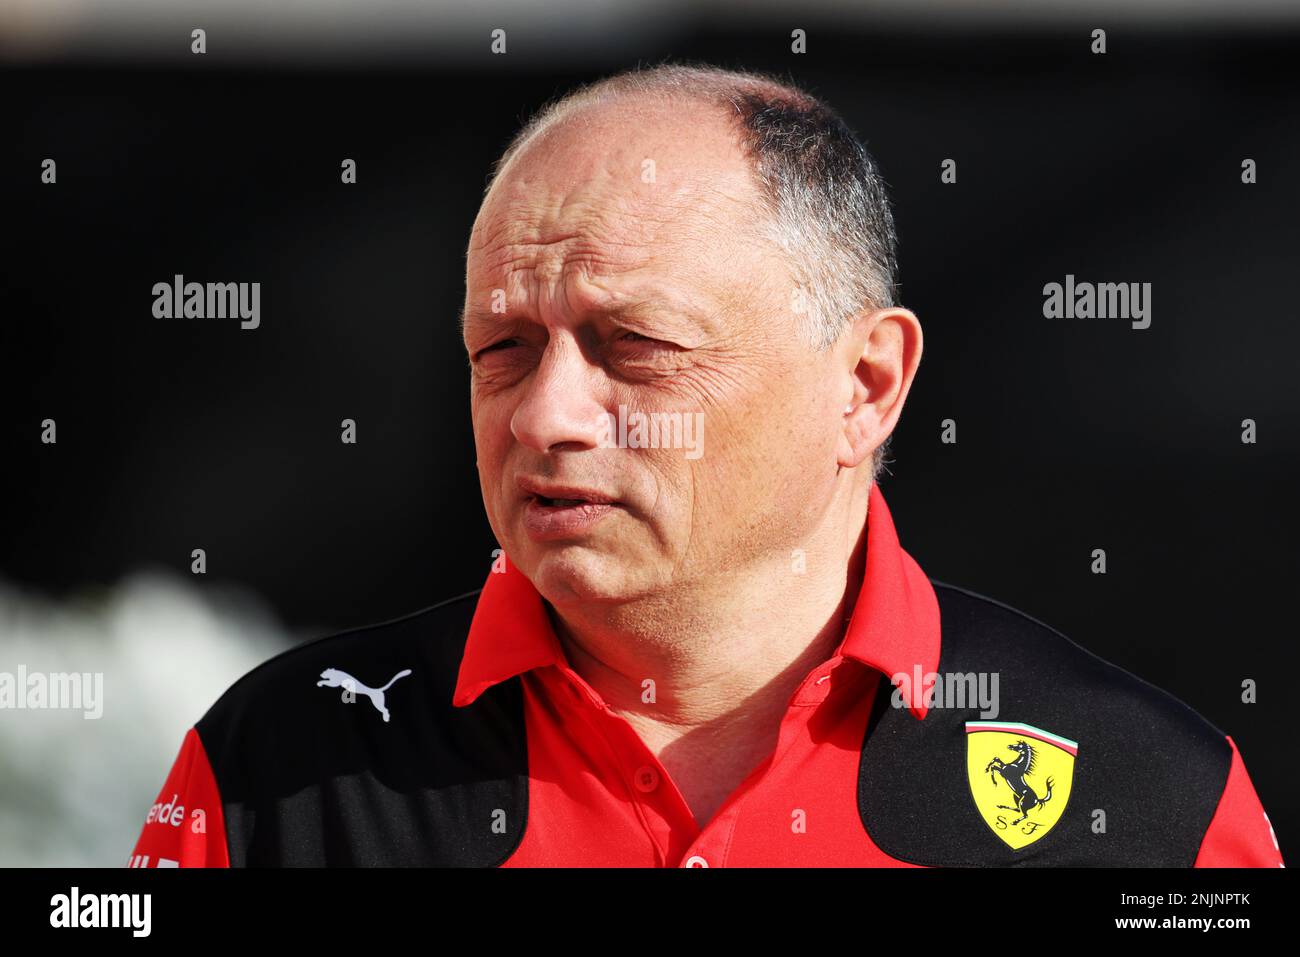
(565, 574)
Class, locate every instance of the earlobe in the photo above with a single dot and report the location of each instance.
(853, 446)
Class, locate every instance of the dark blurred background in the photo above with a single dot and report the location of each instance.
(1072, 434)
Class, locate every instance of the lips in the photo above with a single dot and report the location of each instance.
(553, 512)
(550, 494)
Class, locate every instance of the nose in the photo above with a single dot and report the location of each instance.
(559, 410)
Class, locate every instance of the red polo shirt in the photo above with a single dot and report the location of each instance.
(599, 797)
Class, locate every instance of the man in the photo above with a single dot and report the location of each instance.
(683, 654)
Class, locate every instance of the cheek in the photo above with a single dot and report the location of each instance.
(490, 417)
(776, 452)
(492, 443)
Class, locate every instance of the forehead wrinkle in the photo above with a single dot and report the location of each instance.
(601, 235)
(608, 283)
(537, 243)
(699, 205)
(577, 278)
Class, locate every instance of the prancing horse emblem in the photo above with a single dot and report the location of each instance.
(1020, 778)
(1014, 774)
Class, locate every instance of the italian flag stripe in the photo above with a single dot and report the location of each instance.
(1028, 730)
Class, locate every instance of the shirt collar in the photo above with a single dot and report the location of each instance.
(894, 627)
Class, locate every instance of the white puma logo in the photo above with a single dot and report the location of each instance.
(333, 678)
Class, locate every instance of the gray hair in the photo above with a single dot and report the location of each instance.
(825, 201)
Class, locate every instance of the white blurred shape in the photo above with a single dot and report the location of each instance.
(75, 791)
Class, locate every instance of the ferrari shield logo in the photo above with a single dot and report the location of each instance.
(1020, 778)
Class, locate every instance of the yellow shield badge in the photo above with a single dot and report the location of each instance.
(1020, 778)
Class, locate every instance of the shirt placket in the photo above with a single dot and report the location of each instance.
(663, 811)
(678, 838)
(709, 849)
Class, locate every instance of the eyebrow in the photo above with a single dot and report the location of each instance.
(657, 304)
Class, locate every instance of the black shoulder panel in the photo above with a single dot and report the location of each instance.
(311, 774)
(1152, 766)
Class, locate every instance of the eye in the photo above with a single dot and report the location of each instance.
(497, 345)
(630, 336)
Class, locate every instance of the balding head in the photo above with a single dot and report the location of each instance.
(827, 204)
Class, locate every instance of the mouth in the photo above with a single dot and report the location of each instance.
(555, 495)
(555, 512)
(546, 502)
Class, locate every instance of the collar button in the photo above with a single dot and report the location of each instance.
(646, 779)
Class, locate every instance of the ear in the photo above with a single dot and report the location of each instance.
(879, 358)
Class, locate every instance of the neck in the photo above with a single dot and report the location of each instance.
(729, 654)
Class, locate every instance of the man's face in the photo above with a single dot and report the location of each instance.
(622, 248)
